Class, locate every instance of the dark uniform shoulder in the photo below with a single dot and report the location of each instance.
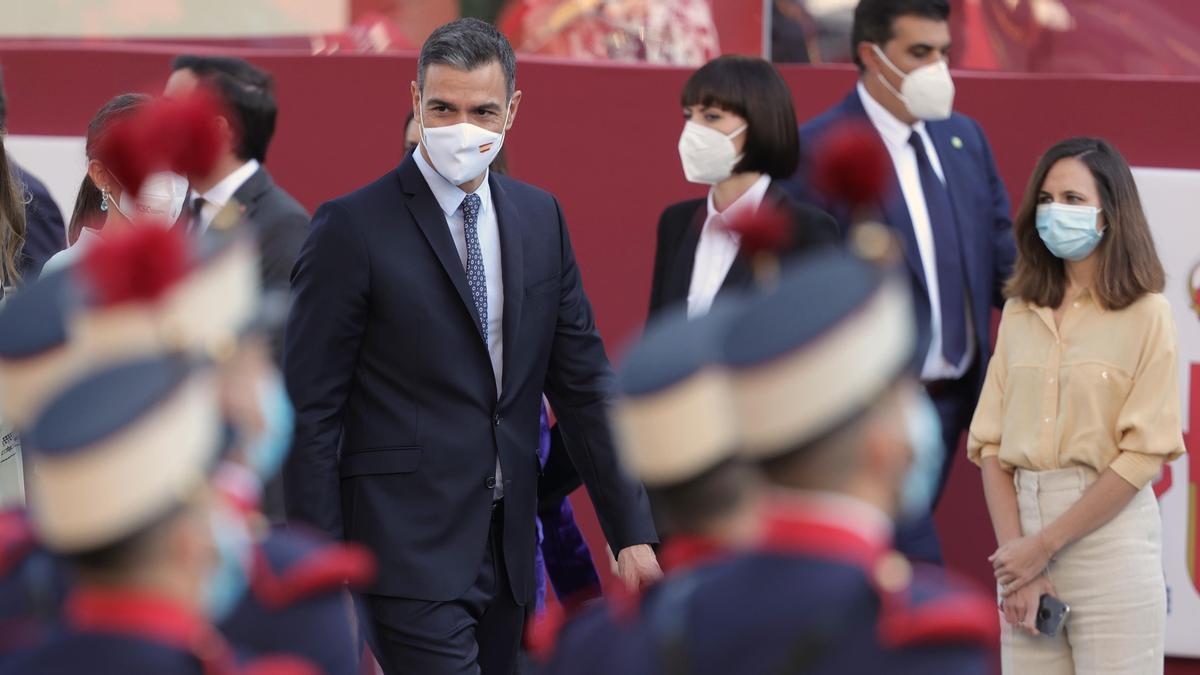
(294, 564)
(934, 606)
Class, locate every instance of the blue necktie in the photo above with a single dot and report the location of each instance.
(475, 276)
(946, 249)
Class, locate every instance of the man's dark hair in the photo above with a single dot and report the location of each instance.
(874, 20)
(248, 93)
(751, 88)
(467, 44)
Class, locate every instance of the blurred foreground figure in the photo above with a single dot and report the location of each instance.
(819, 377)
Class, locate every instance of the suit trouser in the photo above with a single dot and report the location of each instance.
(1112, 579)
(478, 633)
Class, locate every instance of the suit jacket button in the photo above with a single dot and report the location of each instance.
(490, 483)
(496, 419)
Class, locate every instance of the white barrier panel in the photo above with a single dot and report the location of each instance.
(1171, 198)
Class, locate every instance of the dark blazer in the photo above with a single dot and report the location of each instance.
(281, 225)
(981, 210)
(398, 423)
(679, 235)
(45, 233)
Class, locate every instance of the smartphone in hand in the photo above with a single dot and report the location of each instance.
(1052, 614)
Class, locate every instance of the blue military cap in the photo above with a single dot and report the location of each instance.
(673, 413)
(202, 313)
(36, 355)
(817, 350)
(121, 448)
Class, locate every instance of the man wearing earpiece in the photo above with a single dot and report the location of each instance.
(946, 204)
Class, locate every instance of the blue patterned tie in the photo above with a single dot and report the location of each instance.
(948, 253)
(475, 276)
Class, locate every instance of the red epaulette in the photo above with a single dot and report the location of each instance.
(957, 614)
(17, 539)
(324, 570)
(280, 665)
(541, 635)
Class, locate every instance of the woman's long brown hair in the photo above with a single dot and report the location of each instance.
(12, 221)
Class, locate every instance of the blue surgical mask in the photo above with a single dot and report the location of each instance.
(229, 580)
(925, 438)
(1069, 231)
(266, 452)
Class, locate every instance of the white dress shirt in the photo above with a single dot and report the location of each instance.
(718, 247)
(450, 197)
(219, 195)
(895, 134)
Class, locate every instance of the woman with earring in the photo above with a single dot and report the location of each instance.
(739, 138)
(103, 204)
(1079, 411)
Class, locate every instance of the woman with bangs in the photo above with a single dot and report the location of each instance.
(739, 138)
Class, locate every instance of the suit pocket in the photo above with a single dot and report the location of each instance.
(544, 286)
(381, 461)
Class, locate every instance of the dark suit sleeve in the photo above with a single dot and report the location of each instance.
(324, 331)
(45, 234)
(1004, 249)
(281, 240)
(578, 384)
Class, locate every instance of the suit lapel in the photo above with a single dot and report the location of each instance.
(685, 257)
(432, 222)
(741, 272)
(244, 203)
(512, 256)
(893, 206)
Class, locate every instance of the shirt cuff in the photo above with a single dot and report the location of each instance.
(977, 454)
(1137, 468)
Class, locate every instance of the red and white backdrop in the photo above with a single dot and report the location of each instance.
(603, 139)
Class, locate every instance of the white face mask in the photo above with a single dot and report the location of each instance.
(160, 200)
(461, 152)
(927, 92)
(708, 155)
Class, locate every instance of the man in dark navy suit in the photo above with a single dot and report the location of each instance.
(947, 205)
(430, 311)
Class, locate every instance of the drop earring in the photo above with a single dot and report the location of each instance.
(104, 201)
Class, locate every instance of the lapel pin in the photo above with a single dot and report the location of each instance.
(956, 142)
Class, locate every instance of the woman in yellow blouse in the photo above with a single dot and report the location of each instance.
(1079, 411)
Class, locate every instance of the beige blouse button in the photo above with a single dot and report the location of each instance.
(1051, 380)
(1047, 420)
(1104, 374)
(1075, 304)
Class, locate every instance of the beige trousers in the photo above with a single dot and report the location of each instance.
(1112, 579)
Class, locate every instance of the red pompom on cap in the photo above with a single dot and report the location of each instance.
(765, 230)
(137, 265)
(851, 165)
(125, 152)
(184, 132)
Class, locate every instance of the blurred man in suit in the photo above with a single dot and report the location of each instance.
(947, 205)
(431, 309)
(240, 181)
(239, 189)
(45, 234)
